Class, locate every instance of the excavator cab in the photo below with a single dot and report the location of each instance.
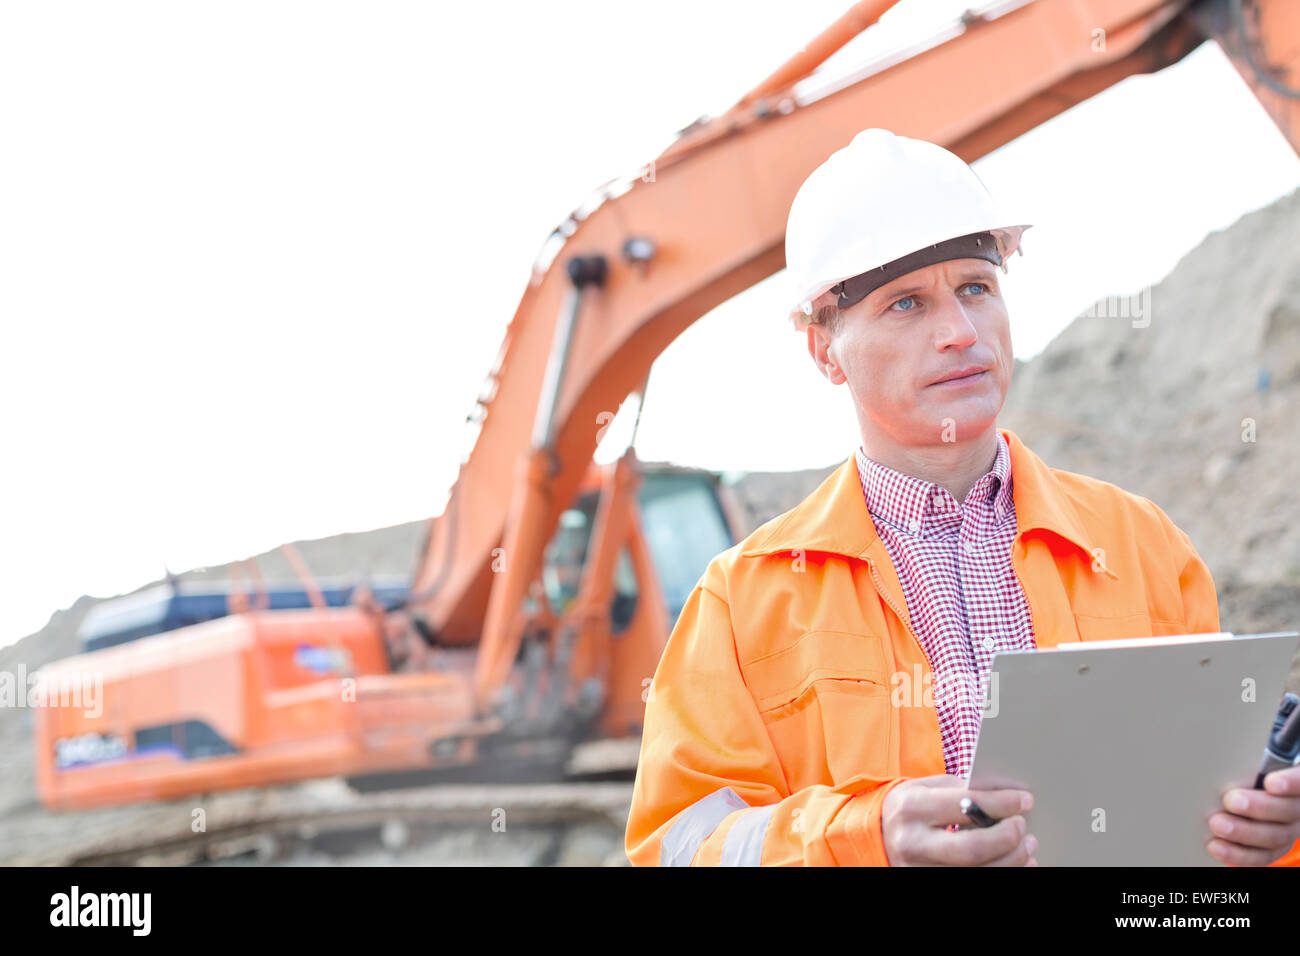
(616, 573)
(565, 557)
(684, 524)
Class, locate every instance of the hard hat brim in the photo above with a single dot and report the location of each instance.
(1008, 242)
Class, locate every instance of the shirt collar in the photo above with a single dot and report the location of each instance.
(832, 518)
(909, 503)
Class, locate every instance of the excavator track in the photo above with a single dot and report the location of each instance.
(324, 822)
(577, 817)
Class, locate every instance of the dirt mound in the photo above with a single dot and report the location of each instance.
(1187, 393)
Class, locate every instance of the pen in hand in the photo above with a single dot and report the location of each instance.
(1283, 747)
(977, 816)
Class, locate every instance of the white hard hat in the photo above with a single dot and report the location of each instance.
(882, 199)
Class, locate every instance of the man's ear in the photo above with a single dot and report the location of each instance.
(820, 344)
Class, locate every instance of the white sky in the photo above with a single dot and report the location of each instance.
(256, 258)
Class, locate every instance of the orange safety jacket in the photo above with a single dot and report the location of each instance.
(770, 733)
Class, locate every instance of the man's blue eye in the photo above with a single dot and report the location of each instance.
(977, 285)
(906, 298)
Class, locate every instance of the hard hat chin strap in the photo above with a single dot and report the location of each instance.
(978, 245)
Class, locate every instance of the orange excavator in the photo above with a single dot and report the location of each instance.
(548, 587)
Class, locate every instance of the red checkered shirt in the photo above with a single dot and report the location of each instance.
(963, 598)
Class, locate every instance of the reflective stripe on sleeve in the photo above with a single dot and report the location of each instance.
(744, 843)
(695, 823)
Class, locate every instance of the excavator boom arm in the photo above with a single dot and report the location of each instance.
(665, 259)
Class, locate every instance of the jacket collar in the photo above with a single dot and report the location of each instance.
(835, 518)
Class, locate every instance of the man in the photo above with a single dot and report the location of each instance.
(785, 723)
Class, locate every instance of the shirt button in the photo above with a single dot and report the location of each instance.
(969, 547)
(988, 643)
(914, 526)
(940, 504)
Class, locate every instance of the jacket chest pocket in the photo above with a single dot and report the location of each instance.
(1094, 628)
(826, 703)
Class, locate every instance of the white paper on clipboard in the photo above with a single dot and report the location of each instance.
(1128, 745)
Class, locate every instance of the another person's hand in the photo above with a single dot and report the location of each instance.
(1260, 825)
(917, 814)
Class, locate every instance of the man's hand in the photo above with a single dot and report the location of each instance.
(1261, 825)
(917, 813)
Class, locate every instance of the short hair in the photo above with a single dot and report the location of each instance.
(828, 316)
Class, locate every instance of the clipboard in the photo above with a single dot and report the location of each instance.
(1128, 745)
